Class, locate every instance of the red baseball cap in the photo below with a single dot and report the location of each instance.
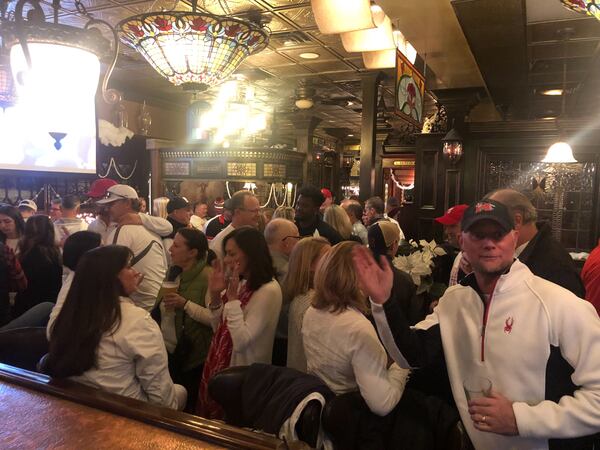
(453, 215)
(99, 187)
(326, 193)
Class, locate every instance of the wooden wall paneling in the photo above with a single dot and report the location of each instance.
(452, 187)
(428, 180)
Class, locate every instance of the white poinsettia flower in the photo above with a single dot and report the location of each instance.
(401, 263)
(423, 243)
(413, 243)
(439, 251)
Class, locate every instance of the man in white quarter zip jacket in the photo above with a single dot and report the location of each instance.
(537, 342)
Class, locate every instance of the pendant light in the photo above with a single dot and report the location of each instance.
(341, 16)
(561, 152)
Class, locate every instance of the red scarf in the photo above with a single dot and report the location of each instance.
(218, 359)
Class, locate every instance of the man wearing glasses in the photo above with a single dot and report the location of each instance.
(245, 210)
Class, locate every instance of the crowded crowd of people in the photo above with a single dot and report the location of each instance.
(154, 306)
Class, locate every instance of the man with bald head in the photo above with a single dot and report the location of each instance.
(536, 247)
(281, 236)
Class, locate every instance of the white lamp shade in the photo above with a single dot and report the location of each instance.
(382, 59)
(59, 90)
(379, 38)
(559, 152)
(304, 103)
(341, 16)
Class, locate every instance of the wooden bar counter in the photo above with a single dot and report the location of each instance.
(39, 413)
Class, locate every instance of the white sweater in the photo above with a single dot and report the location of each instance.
(132, 361)
(344, 351)
(252, 329)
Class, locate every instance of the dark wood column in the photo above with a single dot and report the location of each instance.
(305, 126)
(368, 137)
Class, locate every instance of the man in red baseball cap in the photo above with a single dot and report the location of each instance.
(451, 222)
(99, 187)
(328, 199)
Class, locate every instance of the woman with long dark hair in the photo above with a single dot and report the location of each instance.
(12, 226)
(245, 303)
(41, 262)
(100, 338)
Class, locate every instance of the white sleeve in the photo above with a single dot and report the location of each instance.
(157, 225)
(199, 313)
(380, 387)
(576, 331)
(147, 349)
(265, 303)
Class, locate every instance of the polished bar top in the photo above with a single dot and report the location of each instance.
(31, 419)
(39, 412)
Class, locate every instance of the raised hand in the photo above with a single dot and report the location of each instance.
(375, 281)
(173, 300)
(216, 279)
(234, 283)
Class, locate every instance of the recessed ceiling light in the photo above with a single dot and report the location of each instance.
(288, 43)
(552, 92)
(309, 55)
(350, 103)
(350, 135)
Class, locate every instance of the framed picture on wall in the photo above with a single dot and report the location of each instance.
(410, 90)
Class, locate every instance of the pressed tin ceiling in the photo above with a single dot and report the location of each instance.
(440, 30)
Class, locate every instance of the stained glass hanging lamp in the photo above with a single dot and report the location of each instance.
(588, 7)
(195, 50)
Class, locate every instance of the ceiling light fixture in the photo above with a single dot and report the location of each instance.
(386, 59)
(192, 49)
(56, 68)
(587, 7)
(309, 55)
(341, 16)
(561, 151)
(379, 38)
(552, 92)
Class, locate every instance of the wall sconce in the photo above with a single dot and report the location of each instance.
(452, 146)
(340, 16)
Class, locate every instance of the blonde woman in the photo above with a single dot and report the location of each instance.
(159, 207)
(285, 212)
(297, 290)
(338, 218)
(341, 345)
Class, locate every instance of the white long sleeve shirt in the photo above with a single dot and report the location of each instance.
(252, 329)
(153, 265)
(132, 361)
(344, 351)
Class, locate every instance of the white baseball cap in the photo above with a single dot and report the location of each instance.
(119, 192)
(28, 204)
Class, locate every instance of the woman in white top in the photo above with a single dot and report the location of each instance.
(297, 290)
(341, 345)
(245, 304)
(12, 227)
(100, 338)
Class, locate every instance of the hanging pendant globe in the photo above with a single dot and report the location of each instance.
(559, 152)
(193, 50)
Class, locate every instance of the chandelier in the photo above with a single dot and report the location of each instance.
(589, 7)
(54, 67)
(191, 49)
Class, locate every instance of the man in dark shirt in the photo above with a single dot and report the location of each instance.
(536, 247)
(308, 220)
(179, 213)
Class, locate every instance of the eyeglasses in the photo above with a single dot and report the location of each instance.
(292, 237)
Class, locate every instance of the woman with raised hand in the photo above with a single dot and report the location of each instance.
(101, 339)
(341, 345)
(245, 304)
